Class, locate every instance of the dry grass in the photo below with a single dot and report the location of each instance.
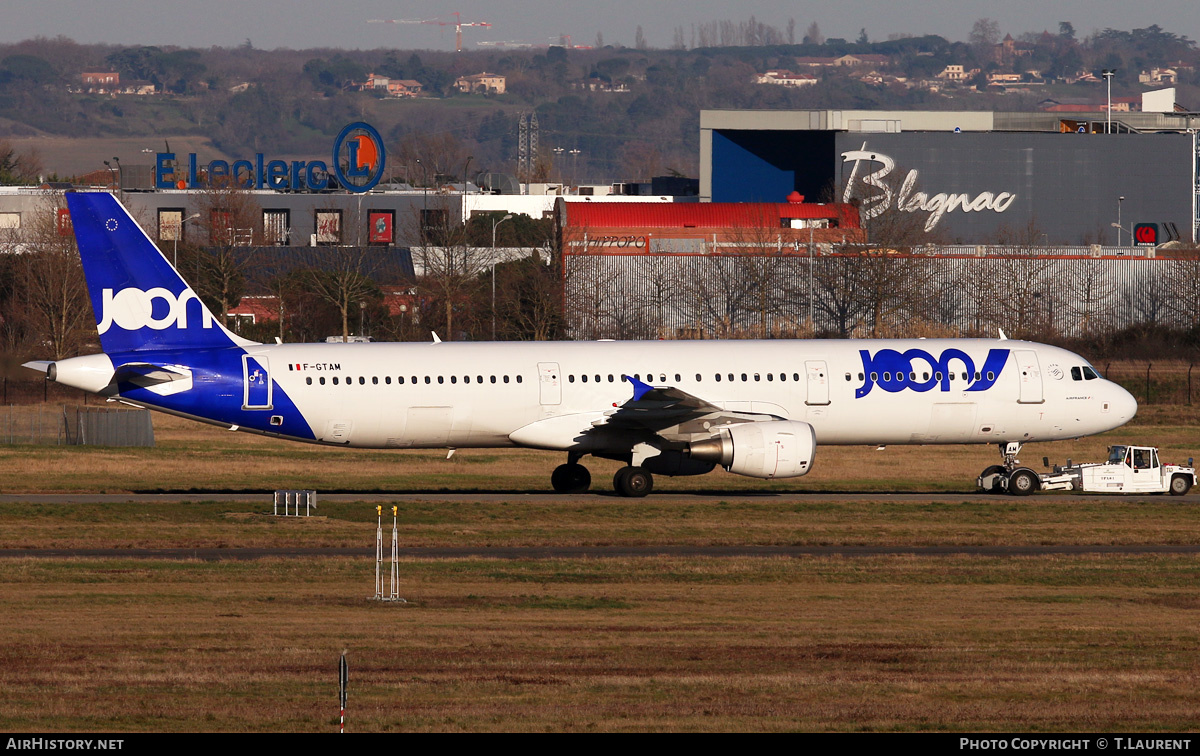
(1035, 644)
(1050, 644)
(195, 457)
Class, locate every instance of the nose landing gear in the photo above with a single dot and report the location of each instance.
(1009, 477)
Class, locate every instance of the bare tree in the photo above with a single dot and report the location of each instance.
(1018, 289)
(231, 222)
(19, 168)
(588, 297)
(1089, 296)
(341, 282)
(448, 266)
(50, 283)
(1183, 283)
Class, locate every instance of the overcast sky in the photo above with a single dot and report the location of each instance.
(343, 23)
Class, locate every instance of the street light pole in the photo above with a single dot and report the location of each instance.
(495, 223)
(1119, 226)
(1108, 74)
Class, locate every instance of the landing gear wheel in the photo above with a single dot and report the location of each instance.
(1022, 483)
(1179, 485)
(634, 482)
(989, 479)
(570, 479)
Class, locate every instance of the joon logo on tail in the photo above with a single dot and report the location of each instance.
(920, 371)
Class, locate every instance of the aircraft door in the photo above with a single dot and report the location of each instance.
(818, 382)
(1029, 372)
(549, 383)
(256, 380)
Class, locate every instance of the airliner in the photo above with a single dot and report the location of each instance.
(756, 408)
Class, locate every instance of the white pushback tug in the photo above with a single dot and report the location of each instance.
(1129, 470)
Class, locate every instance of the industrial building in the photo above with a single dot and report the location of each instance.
(969, 175)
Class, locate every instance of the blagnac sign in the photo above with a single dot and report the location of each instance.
(358, 160)
(908, 201)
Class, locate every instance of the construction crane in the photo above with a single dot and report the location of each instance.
(457, 23)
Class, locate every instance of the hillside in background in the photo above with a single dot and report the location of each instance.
(604, 113)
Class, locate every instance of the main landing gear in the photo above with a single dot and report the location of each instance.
(574, 478)
(1009, 477)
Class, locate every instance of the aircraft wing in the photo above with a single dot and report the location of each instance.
(670, 412)
(665, 412)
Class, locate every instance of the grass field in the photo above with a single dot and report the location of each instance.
(958, 643)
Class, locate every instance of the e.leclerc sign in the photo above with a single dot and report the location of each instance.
(358, 160)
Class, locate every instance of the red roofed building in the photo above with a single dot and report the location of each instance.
(704, 228)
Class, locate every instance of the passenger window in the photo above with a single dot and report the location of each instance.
(466, 379)
(678, 379)
(783, 376)
(506, 379)
(493, 378)
(697, 377)
(375, 380)
(518, 379)
(428, 380)
(991, 376)
(757, 378)
(795, 376)
(335, 382)
(936, 376)
(322, 380)
(362, 381)
(718, 377)
(610, 377)
(771, 376)
(597, 377)
(731, 376)
(570, 379)
(308, 380)
(887, 376)
(976, 376)
(743, 377)
(874, 376)
(453, 379)
(479, 379)
(387, 379)
(441, 379)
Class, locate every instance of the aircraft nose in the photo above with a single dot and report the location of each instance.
(1124, 406)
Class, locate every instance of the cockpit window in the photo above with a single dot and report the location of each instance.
(1089, 374)
(1076, 374)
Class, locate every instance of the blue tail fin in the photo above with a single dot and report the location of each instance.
(139, 300)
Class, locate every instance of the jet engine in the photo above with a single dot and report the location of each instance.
(771, 449)
(91, 372)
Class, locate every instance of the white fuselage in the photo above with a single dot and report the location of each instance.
(484, 394)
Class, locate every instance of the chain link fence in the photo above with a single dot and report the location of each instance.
(64, 425)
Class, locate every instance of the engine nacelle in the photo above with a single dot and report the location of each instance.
(91, 372)
(772, 449)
